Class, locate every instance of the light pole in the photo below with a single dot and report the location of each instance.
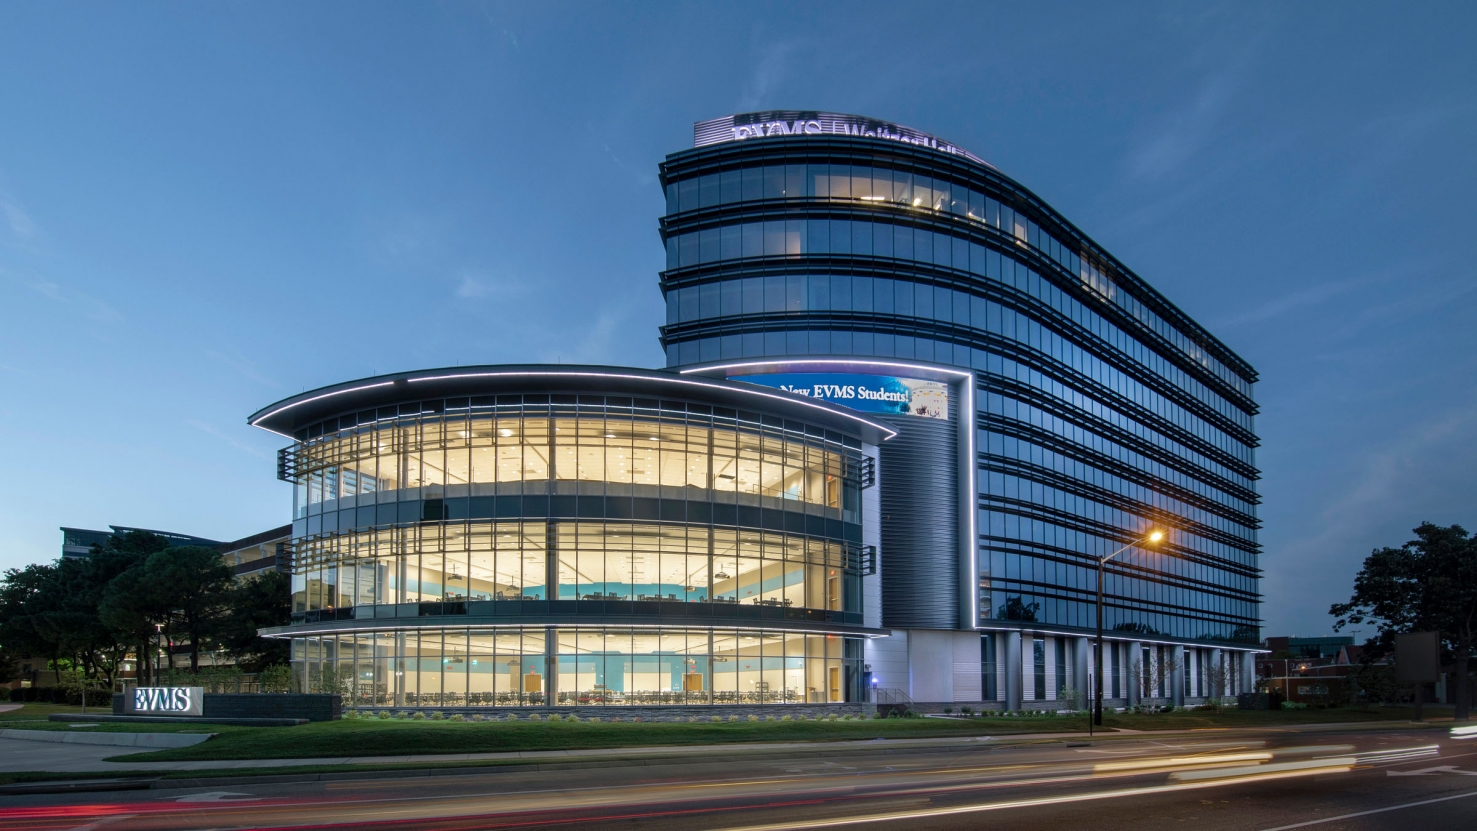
(158, 630)
(1097, 682)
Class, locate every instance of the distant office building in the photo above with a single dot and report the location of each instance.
(78, 542)
(266, 551)
(1327, 646)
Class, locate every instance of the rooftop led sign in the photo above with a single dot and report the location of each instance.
(805, 123)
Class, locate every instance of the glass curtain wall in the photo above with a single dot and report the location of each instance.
(1101, 409)
(456, 561)
(590, 666)
(920, 195)
(461, 454)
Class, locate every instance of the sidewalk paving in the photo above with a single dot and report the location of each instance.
(25, 755)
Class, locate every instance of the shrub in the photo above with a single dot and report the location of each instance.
(275, 679)
(753, 718)
(418, 715)
(616, 719)
(831, 717)
(382, 714)
(555, 717)
(1294, 705)
(636, 719)
(438, 716)
(948, 711)
(510, 717)
(4, 693)
(458, 717)
(594, 719)
(717, 719)
(787, 718)
(733, 718)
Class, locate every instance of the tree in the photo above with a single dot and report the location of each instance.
(1428, 584)
(1219, 678)
(194, 583)
(28, 597)
(114, 580)
(257, 603)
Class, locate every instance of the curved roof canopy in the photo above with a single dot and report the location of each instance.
(287, 416)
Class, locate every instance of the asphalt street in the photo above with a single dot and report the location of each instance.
(1354, 779)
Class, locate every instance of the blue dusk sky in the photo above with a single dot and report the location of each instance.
(205, 207)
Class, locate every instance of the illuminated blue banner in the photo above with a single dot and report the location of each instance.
(882, 394)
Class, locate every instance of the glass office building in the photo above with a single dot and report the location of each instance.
(1051, 406)
(559, 536)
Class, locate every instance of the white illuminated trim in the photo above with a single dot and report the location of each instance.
(822, 362)
(287, 407)
(785, 398)
(972, 492)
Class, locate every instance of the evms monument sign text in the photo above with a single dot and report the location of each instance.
(164, 701)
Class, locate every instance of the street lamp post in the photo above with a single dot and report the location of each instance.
(159, 631)
(1097, 683)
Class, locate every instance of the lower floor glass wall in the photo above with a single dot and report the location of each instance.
(579, 666)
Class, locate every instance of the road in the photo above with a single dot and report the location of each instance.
(1357, 779)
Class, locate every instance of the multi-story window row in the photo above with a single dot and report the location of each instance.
(980, 272)
(919, 199)
(741, 306)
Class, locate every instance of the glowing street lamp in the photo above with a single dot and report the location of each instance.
(1097, 706)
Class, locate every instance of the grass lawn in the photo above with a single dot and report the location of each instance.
(375, 737)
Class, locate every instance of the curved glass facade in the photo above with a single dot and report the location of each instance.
(457, 562)
(1101, 409)
(502, 547)
(521, 667)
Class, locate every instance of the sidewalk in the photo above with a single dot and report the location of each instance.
(58, 756)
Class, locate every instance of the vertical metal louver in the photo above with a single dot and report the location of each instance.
(920, 522)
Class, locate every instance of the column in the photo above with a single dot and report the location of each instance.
(1177, 683)
(1083, 670)
(1135, 669)
(1248, 672)
(1220, 680)
(1013, 669)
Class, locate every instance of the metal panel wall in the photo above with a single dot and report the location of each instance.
(920, 522)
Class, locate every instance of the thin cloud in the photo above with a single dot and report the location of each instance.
(91, 307)
(1184, 132)
(21, 224)
(771, 68)
(212, 430)
(245, 368)
(1324, 292)
(474, 287)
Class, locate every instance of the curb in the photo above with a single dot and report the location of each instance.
(155, 740)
